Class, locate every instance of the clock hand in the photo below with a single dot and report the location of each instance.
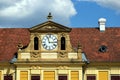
(48, 39)
(53, 42)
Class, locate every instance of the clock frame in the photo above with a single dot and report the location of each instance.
(49, 42)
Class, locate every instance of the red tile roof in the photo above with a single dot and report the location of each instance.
(90, 38)
(9, 39)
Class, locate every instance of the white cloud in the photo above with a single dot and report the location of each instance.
(112, 4)
(22, 9)
(18, 9)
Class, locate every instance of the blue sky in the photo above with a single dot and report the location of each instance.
(89, 12)
(71, 13)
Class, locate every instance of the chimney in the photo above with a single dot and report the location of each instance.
(101, 23)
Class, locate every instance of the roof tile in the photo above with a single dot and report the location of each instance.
(9, 39)
(90, 38)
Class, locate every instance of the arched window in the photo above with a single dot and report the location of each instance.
(36, 42)
(62, 43)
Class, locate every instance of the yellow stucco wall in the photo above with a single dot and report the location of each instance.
(115, 70)
(102, 72)
(91, 70)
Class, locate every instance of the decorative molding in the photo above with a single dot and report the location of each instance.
(35, 55)
(63, 55)
(49, 28)
(20, 45)
(62, 67)
(35, 67)
(63, 34)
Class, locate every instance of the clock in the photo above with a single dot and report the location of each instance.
(49, 42)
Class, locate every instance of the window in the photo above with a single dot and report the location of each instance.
(91, 77)
(103, 75)
(74, 75)
(36, 42)
(62, 77)
(23, 75)
(103, 48)
(115, 77)
(62, 43)
(49, 75)
(8, 77)
(35, 77)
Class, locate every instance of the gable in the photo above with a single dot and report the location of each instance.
(49, 26)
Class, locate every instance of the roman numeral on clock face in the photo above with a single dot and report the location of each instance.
(49, 42)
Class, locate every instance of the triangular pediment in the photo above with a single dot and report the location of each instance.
(50, 26)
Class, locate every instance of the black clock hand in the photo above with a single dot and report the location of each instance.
(48, 39)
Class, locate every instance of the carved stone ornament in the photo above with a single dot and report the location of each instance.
(49, 28)
(35, 55)
(62, 34)
(62, 55)
(20, 45)
(35, 67)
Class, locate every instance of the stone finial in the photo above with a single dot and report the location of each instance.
(49, 17)
(79, 45)
(20, 45)
(79, 52)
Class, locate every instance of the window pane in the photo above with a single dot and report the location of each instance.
(7, 77)
(35, 43)
(74, 75)
(91, 77)
(63, 43)
(103, 75)
(49, 75)
(62, 77)
(23, 75)
(35, 77)
(115, 77)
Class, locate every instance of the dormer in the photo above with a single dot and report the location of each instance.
(49, 40)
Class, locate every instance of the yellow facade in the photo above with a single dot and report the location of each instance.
(0, 75)
(72, 74)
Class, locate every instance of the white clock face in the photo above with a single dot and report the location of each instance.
(49, 42)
